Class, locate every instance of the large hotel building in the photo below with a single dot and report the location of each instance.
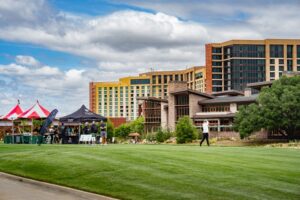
(231, 65)
(119, 99)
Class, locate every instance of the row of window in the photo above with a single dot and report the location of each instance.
(257, 51)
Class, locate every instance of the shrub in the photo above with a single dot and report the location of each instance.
(137, 125)
(151, 137)
(122, 131)
(163, 135)
(160, 136)
(185, 130)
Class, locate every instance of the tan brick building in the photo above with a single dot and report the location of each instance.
(232, 64)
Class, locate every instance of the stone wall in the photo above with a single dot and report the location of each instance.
(224, 135)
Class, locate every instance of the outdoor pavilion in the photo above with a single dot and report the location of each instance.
(36, 112)
(77, 118)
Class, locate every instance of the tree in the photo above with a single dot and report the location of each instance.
(278, 109)
(110, 129)
(122, 131)
(137, 125)
(247, 125)
(185, 130)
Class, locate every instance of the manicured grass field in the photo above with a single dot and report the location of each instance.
(161, 171)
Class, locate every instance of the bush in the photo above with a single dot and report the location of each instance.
(137, 126)
(185, 130)
(151, 137)
(163, 135)
(122, 131)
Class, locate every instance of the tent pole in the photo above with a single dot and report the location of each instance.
(79, 134)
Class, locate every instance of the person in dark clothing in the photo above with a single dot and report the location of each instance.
(205, 132)
(63, 133)
(86, 129)
(103, 133)
(94, 131)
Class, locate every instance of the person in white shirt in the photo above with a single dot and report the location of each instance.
(205, 132)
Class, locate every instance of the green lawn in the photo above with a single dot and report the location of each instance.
(161, 171)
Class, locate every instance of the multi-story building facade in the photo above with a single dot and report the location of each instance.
(194, 76)
(119, 99)
(231, 65)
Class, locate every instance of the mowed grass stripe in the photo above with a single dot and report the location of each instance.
(161, 171)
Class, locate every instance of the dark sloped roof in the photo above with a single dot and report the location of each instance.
(221, 115)
(82, 115)
(152, 99)
(230, 99)
(229, 92)
(259, 85)
(193, 92)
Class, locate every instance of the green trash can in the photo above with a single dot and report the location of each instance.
(26, 139)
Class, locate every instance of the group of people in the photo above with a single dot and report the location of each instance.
(97, 131)
(67, 134)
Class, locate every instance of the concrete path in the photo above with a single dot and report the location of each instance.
(19, 188)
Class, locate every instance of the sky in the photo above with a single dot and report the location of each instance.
(51, 49)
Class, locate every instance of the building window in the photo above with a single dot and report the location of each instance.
(216, 50)
(281, 68)
(272, 68)
(216, 108)
(198, 75)
(159, 79)
(289, 51)
(181, 106)
(298, 51)
(290, 65)
(298, 68)
(154, 79)
(217, 69)
(281, 61)
(216, 63)
(272, 61)
(217, 57)
(272, 74)
(276, 51)
(139, 81)
(219, 83)
(176, 77)
(217, 76)
(217, 89)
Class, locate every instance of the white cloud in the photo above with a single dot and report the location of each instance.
(126, 42)
(27, 60)
(54, 88)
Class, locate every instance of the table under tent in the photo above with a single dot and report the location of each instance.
(23, 130)
(74, 124)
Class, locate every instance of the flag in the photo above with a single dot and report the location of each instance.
(48, 121)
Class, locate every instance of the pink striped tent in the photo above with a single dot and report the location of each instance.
(35, 112)
(13, 113)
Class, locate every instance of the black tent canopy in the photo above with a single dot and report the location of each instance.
(82, 115)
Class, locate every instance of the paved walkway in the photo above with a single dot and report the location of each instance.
(19, 188)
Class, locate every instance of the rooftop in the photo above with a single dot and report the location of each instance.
(152, 99)
(229, 93)
(208, 116)
(230, 99)
(188, 91)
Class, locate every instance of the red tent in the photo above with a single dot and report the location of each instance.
(35, 112)
(13, 113)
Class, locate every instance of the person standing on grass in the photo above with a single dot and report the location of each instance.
(94, 131)
(103, 132)
(205, 132)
